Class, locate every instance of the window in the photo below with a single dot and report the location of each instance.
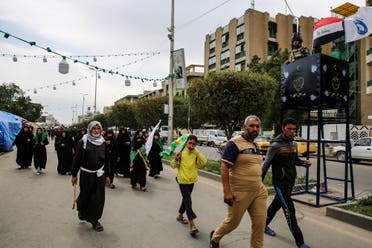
(212, 60)
(239, 51)
(225, 40)
(240, 32)
(272, 29)
(212, 46)
(272, 47)
(225, 57)
(240, 66)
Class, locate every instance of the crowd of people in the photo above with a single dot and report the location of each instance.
(100, 155)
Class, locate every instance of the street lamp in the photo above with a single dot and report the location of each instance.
(82, 107)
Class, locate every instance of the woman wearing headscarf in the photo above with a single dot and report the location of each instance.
(25, 143)
(40, 154)
(65, 147)
(139, 164)
(154, 156)
(123, 148)
(92, 160)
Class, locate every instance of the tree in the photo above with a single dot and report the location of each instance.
(150, 110)
(123, 115)
(12, 100)
(226, 98)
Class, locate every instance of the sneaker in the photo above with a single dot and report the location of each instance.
(156, 176)
(97, 227)
(304, 246)
(213, 244)
(112, 186)
(269, 231)
(143, 189)
(38, 173)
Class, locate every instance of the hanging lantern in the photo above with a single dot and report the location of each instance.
(45, 59)
(73, 83)
(54, 87)
(94, 59)
(35, 92)
(127, 82)
(99, 76)
(155, 84)
(63, 66)
(15, 58)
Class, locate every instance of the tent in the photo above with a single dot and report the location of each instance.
(10, 126)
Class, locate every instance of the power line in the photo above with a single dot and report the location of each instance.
(202, 15)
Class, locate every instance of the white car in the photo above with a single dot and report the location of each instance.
(362, 150)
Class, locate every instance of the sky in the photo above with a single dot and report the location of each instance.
(114, 27)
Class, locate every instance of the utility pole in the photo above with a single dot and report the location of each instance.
(82, 107)
(171, 77)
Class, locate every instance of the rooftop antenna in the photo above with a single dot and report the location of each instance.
(252, 4)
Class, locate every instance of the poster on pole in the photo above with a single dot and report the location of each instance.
(179, 68)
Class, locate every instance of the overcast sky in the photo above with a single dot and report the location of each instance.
(92, 27)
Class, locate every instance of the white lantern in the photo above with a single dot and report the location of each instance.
(154, 84)
(127, 82)
(45, 59)
(94, 59)
(99, 76)
(63, 66)
(35, 91)
(54, 87)
(15, 58)
(73, 83)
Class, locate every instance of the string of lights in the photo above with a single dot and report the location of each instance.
(82, 56)
(64, 66)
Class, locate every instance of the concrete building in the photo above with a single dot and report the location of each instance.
(254, 33)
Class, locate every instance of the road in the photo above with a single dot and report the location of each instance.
(35, 212)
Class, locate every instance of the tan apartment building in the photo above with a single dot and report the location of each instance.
(254, 33)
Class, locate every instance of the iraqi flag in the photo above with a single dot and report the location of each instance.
(326, 30)
(358, 25)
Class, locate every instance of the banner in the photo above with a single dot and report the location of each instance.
(179, 68)
(150, 139)
(358, 25)
(326, 30)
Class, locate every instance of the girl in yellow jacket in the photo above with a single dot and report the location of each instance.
(188, 161)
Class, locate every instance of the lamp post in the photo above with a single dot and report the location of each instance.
(171, 78)
(82, 107)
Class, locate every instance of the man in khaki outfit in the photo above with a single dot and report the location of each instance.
(242, 185)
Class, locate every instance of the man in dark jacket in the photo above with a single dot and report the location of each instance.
(282, 154)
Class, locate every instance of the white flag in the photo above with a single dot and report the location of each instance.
(150, 139)
(358, 25)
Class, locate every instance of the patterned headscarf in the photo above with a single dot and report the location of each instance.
(89, 137)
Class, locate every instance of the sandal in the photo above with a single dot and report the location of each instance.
(182, 220)
(194, 231)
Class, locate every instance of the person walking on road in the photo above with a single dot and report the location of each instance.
(188, 161)
(156, 166)
(111, 148)
(65, 150)
(139, 163)
(124, 145)
(282, 154)
(242, 185)
(92, 160)
(40, 154)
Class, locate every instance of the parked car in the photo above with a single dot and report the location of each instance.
(210, 137)
(263, 143)
(362, 150)
(302, 146)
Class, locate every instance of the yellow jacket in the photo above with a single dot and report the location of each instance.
(188, 166)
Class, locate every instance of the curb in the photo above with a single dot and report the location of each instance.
(217, 178)
(350, 217)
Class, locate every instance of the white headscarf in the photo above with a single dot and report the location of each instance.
(89, 137)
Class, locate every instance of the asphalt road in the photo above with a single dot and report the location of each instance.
(35, 211)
